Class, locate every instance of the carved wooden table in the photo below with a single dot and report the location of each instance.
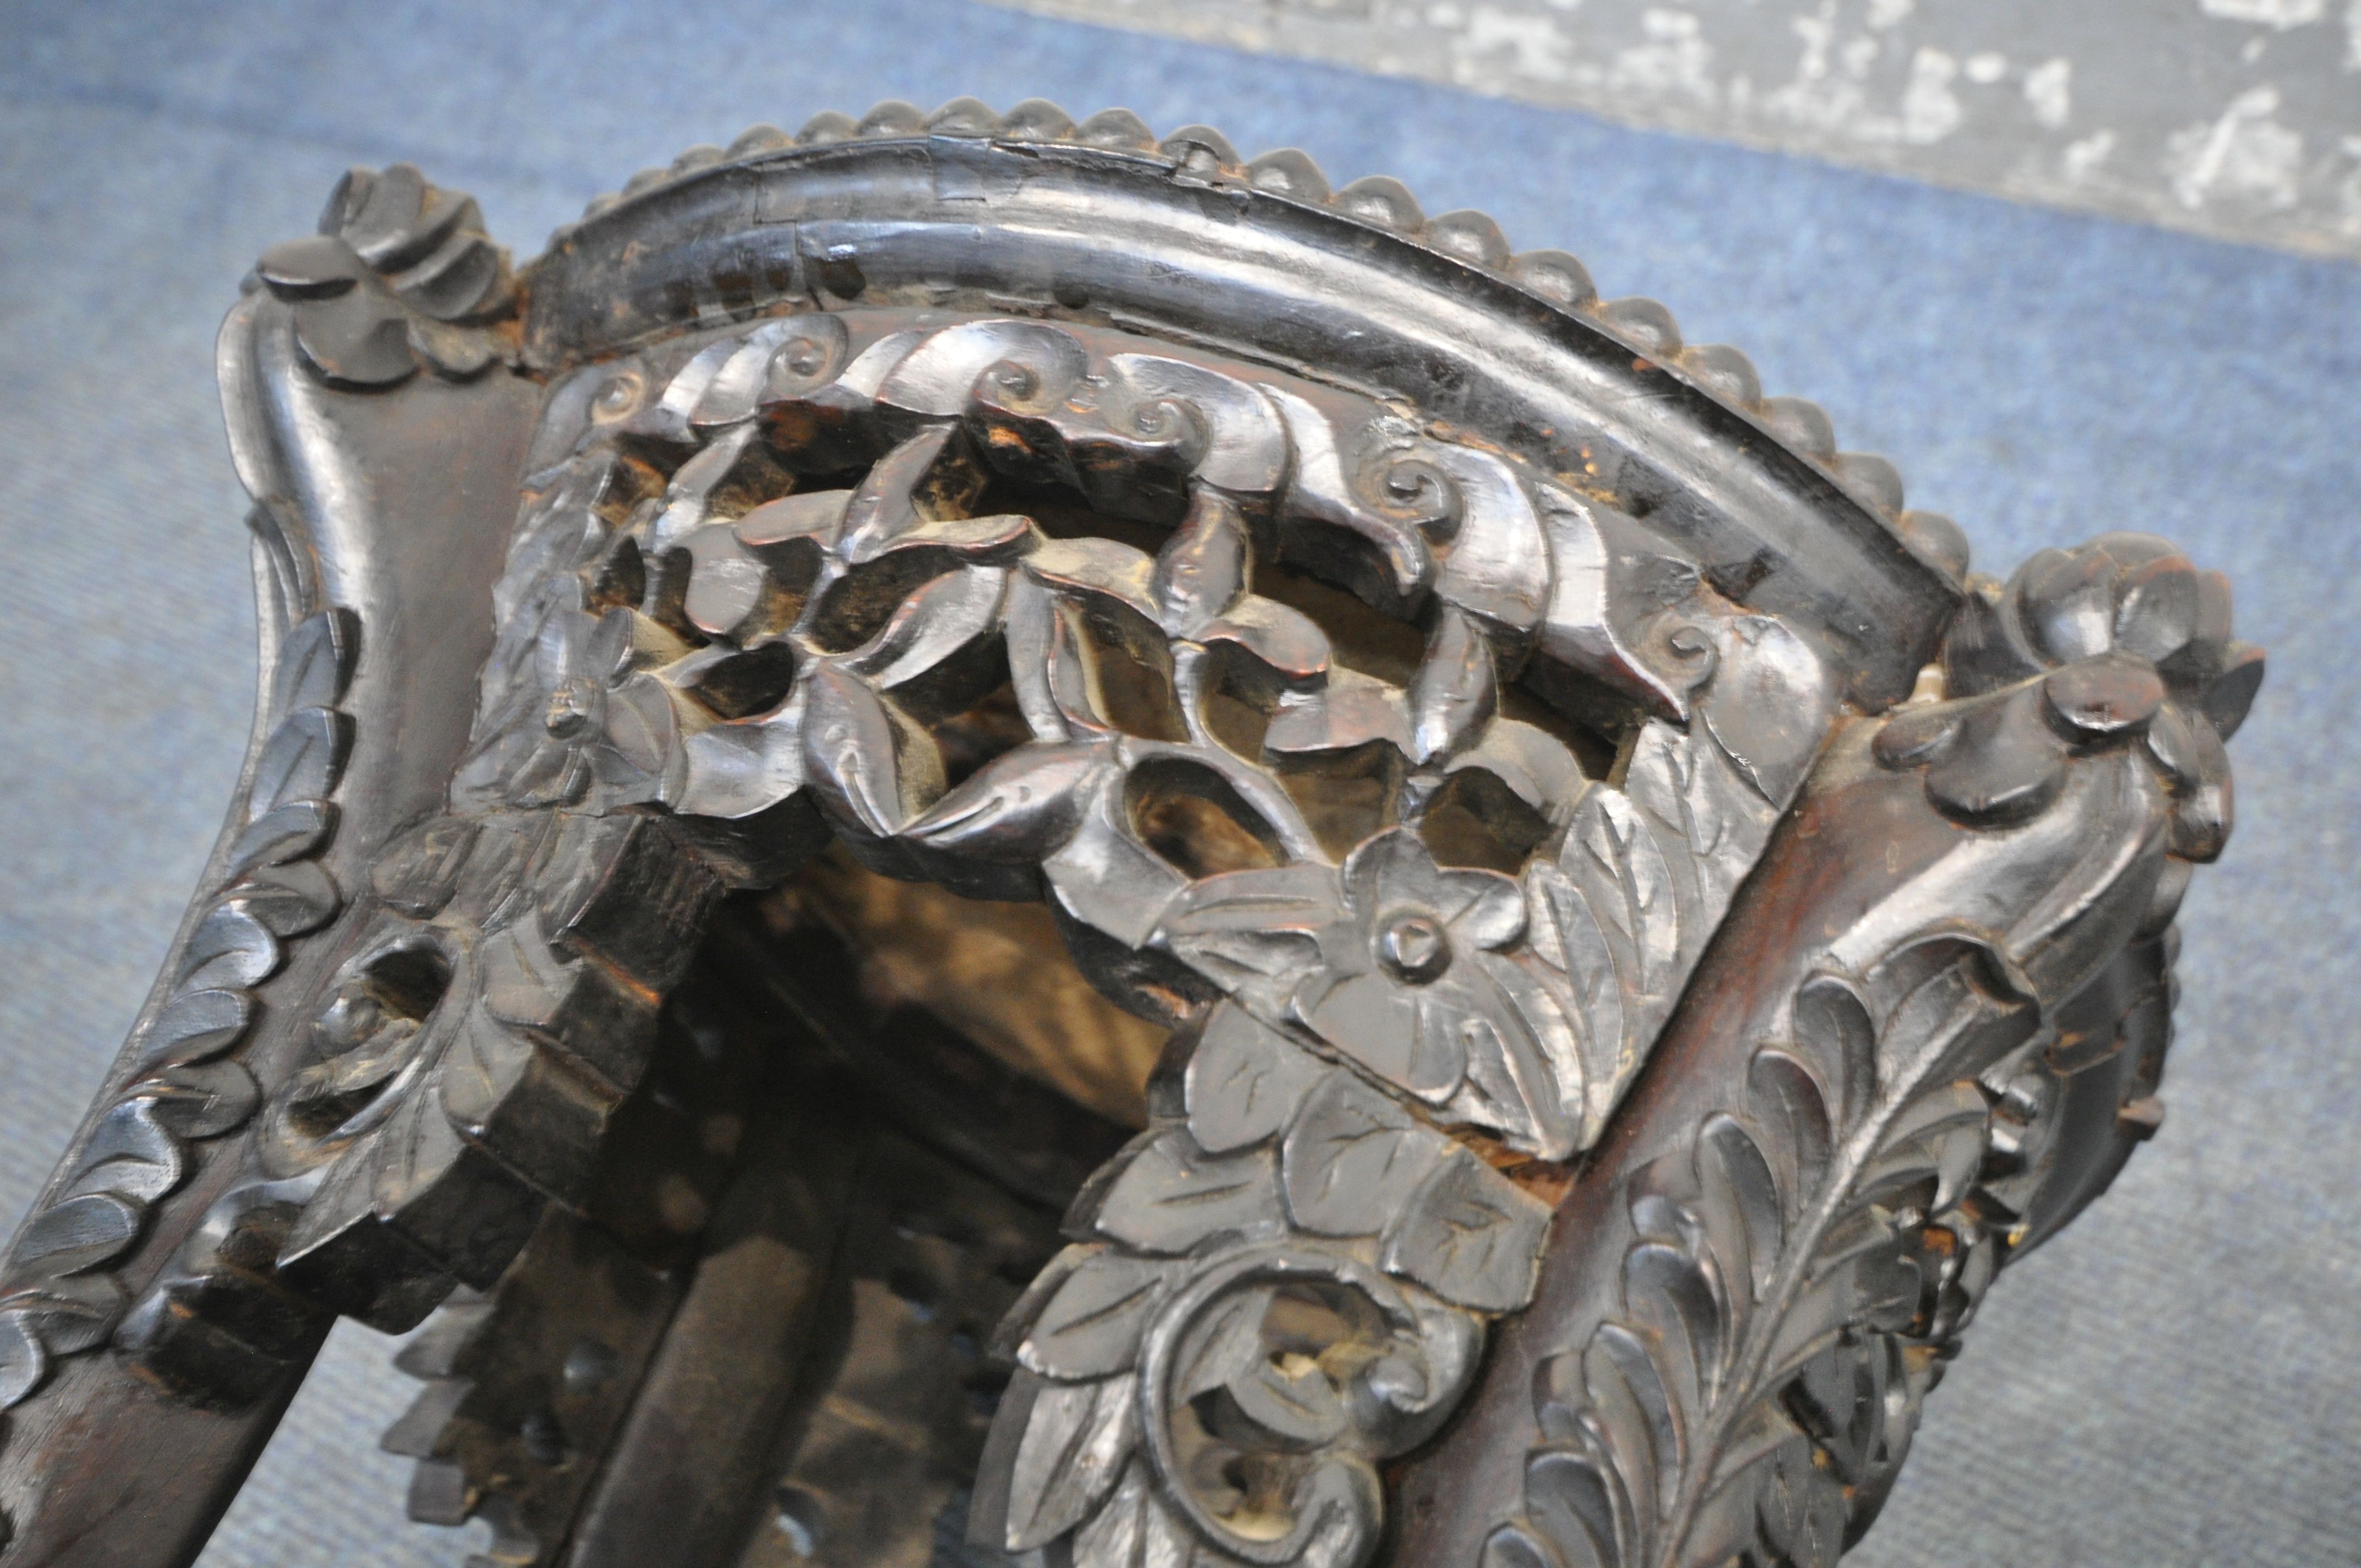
(1545, 935)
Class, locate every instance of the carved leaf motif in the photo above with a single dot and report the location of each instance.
(1534, 766)
(201, 1102)
(1350, 709)
(1470, 1235)
(1204, 569)
(736, 770)
(1244, 1080)
(1319, 492)
(1770, 1254)
(1137, 1531)
(1091, 1326)
(229, 949)
(315, 662)
(301, 759)
(289, 833)
(483, 1061)
(1353, 1158)
(196, 1024)
(930, 477)
(76, 1233)
(1566, 936)
(1077, 1438)
(1617, 861)
(944, 617)
(1244, 443)
(1498, 567)
(129, 1154)
(69, 1315)
(23, 1359)
(1172, 1195)
(1525, 1076)
(415, 1144)
(289, 900)
(1288, 644)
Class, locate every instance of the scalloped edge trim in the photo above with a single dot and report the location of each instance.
(1379, 202)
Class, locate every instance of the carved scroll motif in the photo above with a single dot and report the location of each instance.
(1286, 1282)
(1798, 1271)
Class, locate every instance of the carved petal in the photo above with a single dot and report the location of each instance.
(1455, 692)
(2004, 765)
(1253, 925)
(870, 763)
(1201, 570)
(1018, 807)
(1395, 870)
(1499, 567)
(1395, 1030)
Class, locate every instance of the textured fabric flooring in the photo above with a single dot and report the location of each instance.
(2177, 1381)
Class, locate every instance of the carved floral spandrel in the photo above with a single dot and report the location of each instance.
(758, 600)
(1798, 1269)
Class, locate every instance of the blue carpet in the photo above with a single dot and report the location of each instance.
(2178, 1381)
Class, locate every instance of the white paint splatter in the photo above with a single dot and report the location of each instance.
(1986, 68)
(1884, 14)
(2048, 87)
(2280, 14)
(2353, 37)
(2082, 159)
(1815, 97)
(1675, 61)
(2246, 152)
(1532, 46)
(1930, 111)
